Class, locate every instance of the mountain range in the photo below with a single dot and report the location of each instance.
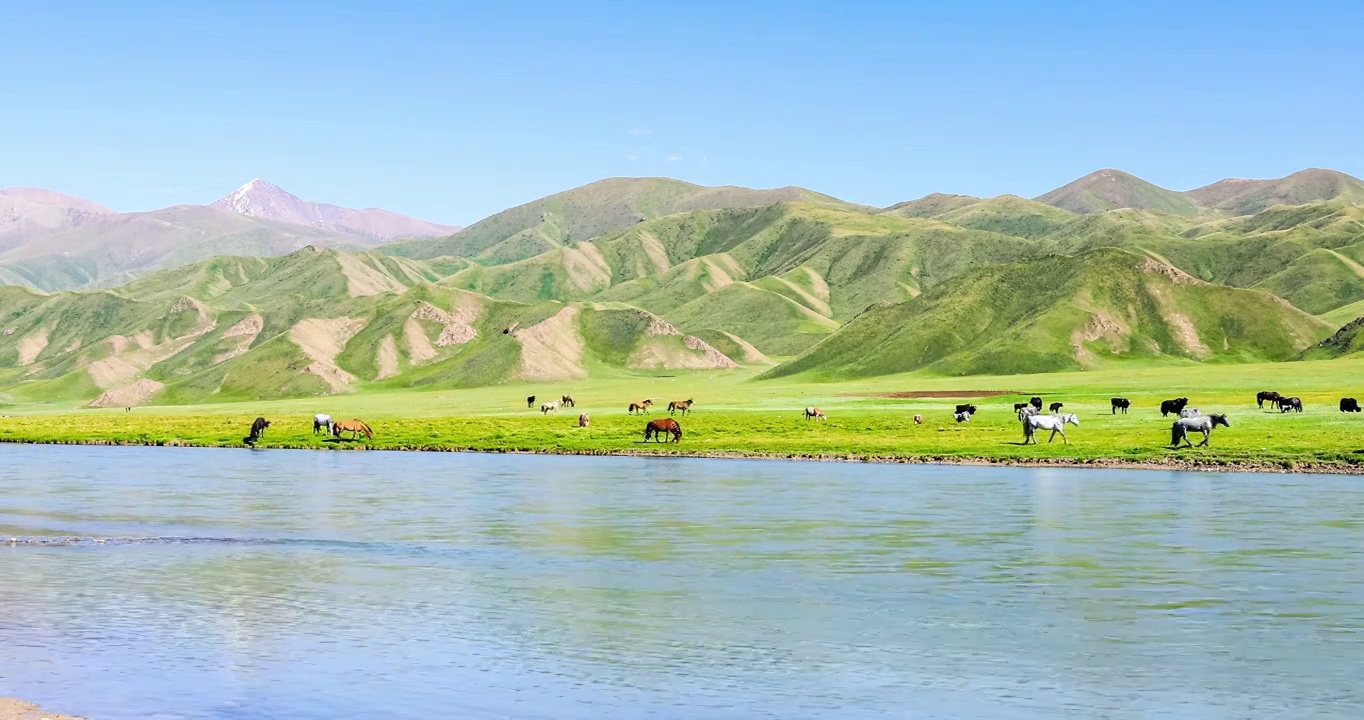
(653, 275)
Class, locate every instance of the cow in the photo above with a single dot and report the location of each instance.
(1055, 407)
(1120, 404)
(1349, 405)
(1036, 402)
(1172, 407)
(966, 409)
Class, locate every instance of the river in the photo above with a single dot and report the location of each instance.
(207, 583)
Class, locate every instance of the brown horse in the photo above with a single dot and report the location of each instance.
(584, 420)
(814, 413)
(642, 407)
(355, 427)
(661, 428)
(680, 405)
(567, 401)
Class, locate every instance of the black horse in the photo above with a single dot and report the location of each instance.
(257, 430)
(1287, 404)
(1172, 407)
(1267, 396)
(1120, 404)
(530, 402)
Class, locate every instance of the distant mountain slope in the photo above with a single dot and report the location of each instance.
(592, 210)
(264, 200)
(1348, 340)
(1247, 197)
(1062, 313)
(1113, 189)
(930, 205)
(26, 212)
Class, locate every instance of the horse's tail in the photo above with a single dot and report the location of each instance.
(1174, 433)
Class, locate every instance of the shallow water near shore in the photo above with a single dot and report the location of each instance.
(204, 583)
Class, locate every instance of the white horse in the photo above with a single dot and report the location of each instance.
(1054, 423)
(1027, 411)
(1189, 413)
(549, 407)
(320, 421)
(962, 417)
(1179, 432)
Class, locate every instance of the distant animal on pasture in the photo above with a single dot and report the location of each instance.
(962, 417)
(1019, 406)
(814, 413)
(640, 407)
(1290, 403)
(966, 409)
(661, 428)
(257, 430)
(1054, 423)
(1120, 404)
(530, 402)
(1036, 402)
(1349, 405)
(1267, 396)
(584, 420)
(1054, 407)
(918, 419)
(1179, 431)
(1028, 411)
(320, 421)
(1172, 407)
(550, 407)
(567, 401)
(356, 428)
(1189, 412)
(682, 406)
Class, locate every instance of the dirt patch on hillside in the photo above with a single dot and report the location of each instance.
(11, 709)
(321, 340)
(695, 354)
(419, 348)
(586, 268)
(1150, 265)
(752, 355)
(128, 396)
(244, 332)
(457, 325)
(552, 350)
(656, 254)
(387, 358)
(363, 280)
(32, 346)
(906, 394)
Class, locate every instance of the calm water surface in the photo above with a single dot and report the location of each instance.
(289, 584)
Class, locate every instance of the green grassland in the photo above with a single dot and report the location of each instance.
(738, 416)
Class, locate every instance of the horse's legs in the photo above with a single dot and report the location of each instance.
(1207, 434)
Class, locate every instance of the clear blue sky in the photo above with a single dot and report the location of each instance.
(453, 113)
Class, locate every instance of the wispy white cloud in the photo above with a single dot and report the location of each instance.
(631, 157)
(167, 190)
(641, 131)
(674, 158)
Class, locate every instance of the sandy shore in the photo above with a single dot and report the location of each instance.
(11, 709)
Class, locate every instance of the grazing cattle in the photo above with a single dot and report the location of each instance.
(1027, 411)
(356, 428)
(1290, 403)
(1172, 407)
(1054, 423)
(1267, 396)
(550, 407)
(1054, 407)
(662, 428)
(1018, 407)
(640, 407)
(918, 419)
(966, 409)
(257, 430)
(682, 406)
(814, 413)
(1189, 412)
(1120, 404)
(962, 417)
(530, 402)
(320, 421)
(1349, 405)
(1037, 403)
(567, 401)
(584, 420)
(1179, 432)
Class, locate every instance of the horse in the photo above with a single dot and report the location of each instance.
(966, 409)
(1179, 431)
(1036, 402)
(257, 430)
(1267, 396)
(584, 419)
(1120, 404)
(1290, 403)
(962, 417)
(1054, 423)
(567, 401)
(1189, 412)
(1054, 407)
(918, 419)
(1018, 407)
(530, 402)
(1349, 405)
(552, 406)
(661, 428)
(1027, 411)
(814, 413)
(1172, 407)
(642, 407)
(682, 406)
(356, 428)
(322, 421)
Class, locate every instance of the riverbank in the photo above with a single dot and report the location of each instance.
(11, 709)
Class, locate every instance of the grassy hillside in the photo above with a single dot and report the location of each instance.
(1063, 313)
(1248, 197)
(1113, 189)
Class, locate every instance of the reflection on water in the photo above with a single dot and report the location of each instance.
(177, 583)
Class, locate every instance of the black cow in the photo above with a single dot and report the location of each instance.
(1036, 402)
(1120, 404)
(1267, 396)
(1172, 407)
(1349, 405)
(1054, 407)
(1287, 404)
(1019, 406)
(966, 409)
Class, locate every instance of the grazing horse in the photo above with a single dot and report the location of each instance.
(962, 417)
(356, 428)
(682, 406)
(1189, 412)
(1349, 405)
(1203, 423)
(584, 420)
(530, 402)
(552, 406)
(642, 407)
(1018, 407)
(1054, 407)
(1054, 423)
(1290, 403)
(918, 419)
(320, 421)
(567, 401)
(966, 409)
(1267, 396)
(1120, 404)
(257, 430)
(1027, 411)
(661, 428)
(814, 413)
(1172, 407)
(1037, 403)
